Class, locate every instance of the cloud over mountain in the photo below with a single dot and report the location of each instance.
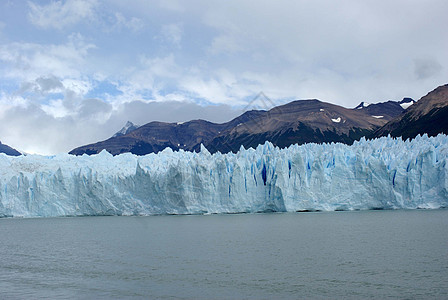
(54, 56)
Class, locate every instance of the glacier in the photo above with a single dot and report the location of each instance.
(384, 173)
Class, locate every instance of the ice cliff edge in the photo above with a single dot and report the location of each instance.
(384, 173)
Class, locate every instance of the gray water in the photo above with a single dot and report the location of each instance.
(372, 254)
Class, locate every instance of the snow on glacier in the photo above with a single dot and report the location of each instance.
(383, 173)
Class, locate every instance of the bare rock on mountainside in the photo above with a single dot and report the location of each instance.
(385, 110)
(302, 121)
(8, 150)
(127, 128)
(429, 115)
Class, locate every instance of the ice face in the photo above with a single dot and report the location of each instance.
(384, 173)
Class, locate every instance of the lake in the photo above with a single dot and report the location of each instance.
(362, 254)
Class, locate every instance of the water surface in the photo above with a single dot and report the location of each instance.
(371, 254)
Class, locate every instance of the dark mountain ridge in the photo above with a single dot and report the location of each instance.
(429, 115)
(300, 121)
(387, 110)
(8, 150)
(127, 128)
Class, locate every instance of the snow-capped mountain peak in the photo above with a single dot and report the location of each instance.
(128, 127)
(362, 105)
(406, 102)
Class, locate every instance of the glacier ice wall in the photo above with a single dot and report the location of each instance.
(384, 173)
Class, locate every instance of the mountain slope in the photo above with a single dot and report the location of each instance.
(156, 136)
(8, 150)
(429, 115)
(300, 122)
(127, 128)
(303, 121)
(385, 110)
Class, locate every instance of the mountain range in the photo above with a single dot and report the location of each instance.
(429, 115)
(128, 127)
(8, 150)
(301, 121)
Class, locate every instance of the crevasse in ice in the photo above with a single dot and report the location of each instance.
(383, 173)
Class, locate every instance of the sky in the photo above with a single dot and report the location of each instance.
(73, 72)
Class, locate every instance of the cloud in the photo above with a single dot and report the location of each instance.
(172, 33)
(226, 43)
(91, 121)
(152, 76)
(28, 61)
(104, 62)
(173, 5)
(288, 50)
(56, 108)
(42, 85)
(49, 84)
(94, 109)
(120, 21)
(173, 111)
(59, 15)
(426, 68)
(161, 66)
(328, 49)
(79, 87)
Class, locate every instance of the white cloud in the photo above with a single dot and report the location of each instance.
(210, 89)
(339, 50)
(220, 86)
(93, 120)
(161, 66)
(28, 61)
(8, 101)
(79, 87)
(120, 21)
(220, 52)
(59, 15)
(172, 33)
(56, 109)
(95, 110)
(146, 81)
(426, 68)
(173, 5)
(43, 85)
(226, 43)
